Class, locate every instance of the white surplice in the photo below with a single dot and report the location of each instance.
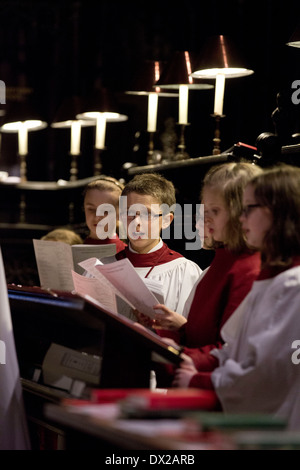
(256, 372)
(13, 424)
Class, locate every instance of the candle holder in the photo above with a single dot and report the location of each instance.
(22, 209)
(98, 161)
(169, 140)
(217, 139)
(150, 148)
(153, 156)
(181, 154)
(23, 168)
(74, 167)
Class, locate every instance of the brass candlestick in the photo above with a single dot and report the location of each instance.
(23, 179)
(74, 167)
(181, 154)
(150, 148)
(23, 168)
(217, 139)
(22, 209)
(97, 161)
(153, 156)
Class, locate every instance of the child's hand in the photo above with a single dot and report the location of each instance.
(170, 342)
(182, 378)
(186, 362)
(168, 319)
(143, 319)
(184, 373)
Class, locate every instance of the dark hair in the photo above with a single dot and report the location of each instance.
(154, 185)
(230, 180)
(278, 189)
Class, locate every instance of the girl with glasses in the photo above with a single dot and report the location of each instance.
(258, 368)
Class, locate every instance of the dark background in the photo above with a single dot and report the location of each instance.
(57, 49)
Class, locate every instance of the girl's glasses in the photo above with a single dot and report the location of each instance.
(248, 209)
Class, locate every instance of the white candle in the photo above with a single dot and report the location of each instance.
(75, 138)
(219, 94)
(152, 112)
(100, 131)
(23, 139)
(183, 104)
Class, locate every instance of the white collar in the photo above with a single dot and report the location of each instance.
(155, 248)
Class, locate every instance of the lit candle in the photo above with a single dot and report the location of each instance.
(23, 139)
(183, 104)
(152, 112)
(100, 131)
(75, 138)
(219, 94)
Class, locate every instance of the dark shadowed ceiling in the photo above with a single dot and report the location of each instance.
(56, 49)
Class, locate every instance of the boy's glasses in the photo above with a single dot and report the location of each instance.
(246, 211)
(144, 216)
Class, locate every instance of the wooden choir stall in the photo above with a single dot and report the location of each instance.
(67, 345)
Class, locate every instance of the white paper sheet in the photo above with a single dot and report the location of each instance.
(124, 277)
(55, 261)
(90, 286)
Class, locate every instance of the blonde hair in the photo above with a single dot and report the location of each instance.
(105, 183)
(63, 235)
(110, 184)
(230, 179)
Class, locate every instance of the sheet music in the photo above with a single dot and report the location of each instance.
(92, 287)
(124, 277)
(90, 267)
(83, 252)
(55, 260)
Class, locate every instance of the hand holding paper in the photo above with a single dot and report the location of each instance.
(127, 283)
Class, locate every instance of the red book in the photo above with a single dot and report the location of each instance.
(145, 399)
(74, 402)
(184, 399)
(112, 395)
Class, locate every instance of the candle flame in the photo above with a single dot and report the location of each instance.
(188, 66)
(156, 75)
(223, 50)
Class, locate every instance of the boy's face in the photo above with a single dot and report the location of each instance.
(93, 199)
(144, 222)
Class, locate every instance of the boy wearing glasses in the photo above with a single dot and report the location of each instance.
(147, 204)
